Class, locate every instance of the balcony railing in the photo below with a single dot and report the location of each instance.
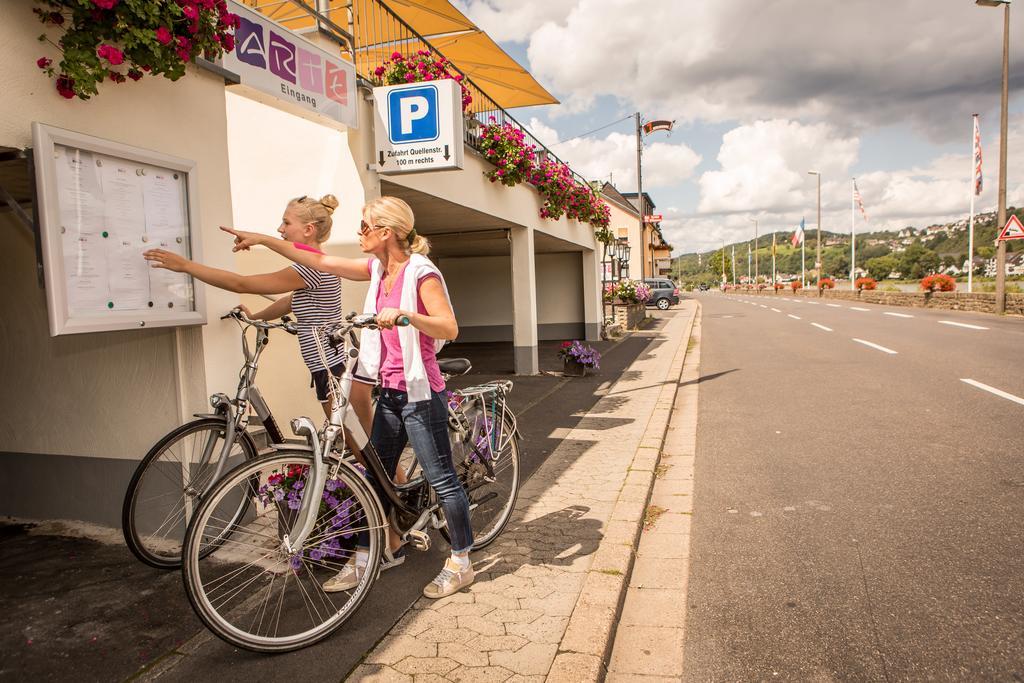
(371, 33)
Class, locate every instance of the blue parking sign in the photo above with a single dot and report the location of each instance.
(412, 114)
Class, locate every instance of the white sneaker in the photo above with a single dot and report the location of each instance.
(450, 580)
(345, 580)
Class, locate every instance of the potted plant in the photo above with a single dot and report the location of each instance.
(284, 491)
(826, 283)
(505, 146)
(940, 282)
(577, 357)
(795, 285)
(111, 40)
(420, 67)
(865, 283)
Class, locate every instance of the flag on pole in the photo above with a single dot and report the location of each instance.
(860, 202)
(773, 244)
(798, 236)
(978, 183)
(660, 124)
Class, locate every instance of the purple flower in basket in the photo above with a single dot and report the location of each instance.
(316, 554)
(295, 562)
(583, 354)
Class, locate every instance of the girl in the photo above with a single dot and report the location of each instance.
(314, 297)
(403, 282)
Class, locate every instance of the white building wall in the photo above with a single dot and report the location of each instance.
(80, 408)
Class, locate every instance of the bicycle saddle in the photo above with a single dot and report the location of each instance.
(454, 366)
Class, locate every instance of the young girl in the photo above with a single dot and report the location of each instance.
(403, 282)
(314, 297)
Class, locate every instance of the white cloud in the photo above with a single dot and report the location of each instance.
(930, 62)
(664, 164)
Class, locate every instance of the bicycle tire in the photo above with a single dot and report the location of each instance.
(232, 589)
(137, 511)
(506, 460)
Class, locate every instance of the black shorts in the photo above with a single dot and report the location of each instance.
(320, 383)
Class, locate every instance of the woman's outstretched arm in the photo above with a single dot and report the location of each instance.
(282, 281)
(348, 268)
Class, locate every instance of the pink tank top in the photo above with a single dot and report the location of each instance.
(392, 367)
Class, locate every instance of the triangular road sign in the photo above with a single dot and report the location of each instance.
(1013, 230)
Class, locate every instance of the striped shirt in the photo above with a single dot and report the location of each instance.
(318, 303)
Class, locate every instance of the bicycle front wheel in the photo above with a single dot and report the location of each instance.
(245, 582)
(167, 484)
(487, 463)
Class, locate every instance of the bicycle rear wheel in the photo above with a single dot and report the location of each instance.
(166, 486)
(253, 592)
(490, 474)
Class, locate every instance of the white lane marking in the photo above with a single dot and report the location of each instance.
(898, 315)
(762, 306)
(794, 317)
(834, 305)
(858, 308)
(997, 392)
(875, 346)
(970, 327)
(822, 327)
(813, 303)
(777, 310)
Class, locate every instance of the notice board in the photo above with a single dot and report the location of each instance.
(101, 205)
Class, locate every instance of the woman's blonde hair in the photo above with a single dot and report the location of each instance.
(318, 212)
(392, 212)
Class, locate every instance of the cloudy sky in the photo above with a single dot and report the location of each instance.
(762, 92)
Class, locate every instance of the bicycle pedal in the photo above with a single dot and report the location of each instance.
(419, 540)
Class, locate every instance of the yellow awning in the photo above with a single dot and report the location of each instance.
(447, 29)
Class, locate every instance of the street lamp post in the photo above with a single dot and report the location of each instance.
(1001, 247)
(819, 264)
(754, 221)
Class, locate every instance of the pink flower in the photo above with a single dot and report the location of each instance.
(379, 71)
(105, 4)
(110, 53)
(134, 74)
(396, 56)
(410, 77)
(163, 36)
(66, 87)
(228, 41)
(190, 11)
(44, 62)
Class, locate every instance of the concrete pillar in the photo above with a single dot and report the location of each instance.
(592, 305)
(524, 303)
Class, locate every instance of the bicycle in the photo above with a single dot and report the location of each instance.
(260, 588)
(180, 468)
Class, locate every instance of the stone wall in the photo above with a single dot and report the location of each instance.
(980, 302)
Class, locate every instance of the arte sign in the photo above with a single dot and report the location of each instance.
(273, 60)
(418, 127)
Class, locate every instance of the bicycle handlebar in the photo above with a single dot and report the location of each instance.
(337, 332)
(286, 323)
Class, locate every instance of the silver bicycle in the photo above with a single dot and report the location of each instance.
(183, 465)
(257, 582)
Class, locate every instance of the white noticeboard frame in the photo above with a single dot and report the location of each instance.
(418, 127)
(101, 204)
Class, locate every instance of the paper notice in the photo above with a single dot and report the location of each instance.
(85, 267)
(79, 192)
(128, 275)
(171, 291)
(124, 211)
(164, 206)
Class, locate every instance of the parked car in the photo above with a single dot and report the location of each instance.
(703, 287)
(664, 293)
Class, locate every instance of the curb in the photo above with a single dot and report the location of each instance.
(586, 646)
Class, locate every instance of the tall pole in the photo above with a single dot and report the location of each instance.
(819, 264)
(724, 277)
(756, 269)
(640, 196)
(773, 262)
(1001, 247)
(853, 232)
(803, 257)
(734, 265)
(970, 229)
(748, 264)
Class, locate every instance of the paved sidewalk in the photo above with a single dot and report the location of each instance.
(649, 639)
(549, 591)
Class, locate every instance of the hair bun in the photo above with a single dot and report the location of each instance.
(329, 202)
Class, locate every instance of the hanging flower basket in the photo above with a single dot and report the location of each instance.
(117, 40)
(422, 66)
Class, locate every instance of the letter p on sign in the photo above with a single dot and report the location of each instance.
(412, 114)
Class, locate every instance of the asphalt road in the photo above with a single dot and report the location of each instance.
(858, 505)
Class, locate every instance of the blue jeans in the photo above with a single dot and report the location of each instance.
(425, 425)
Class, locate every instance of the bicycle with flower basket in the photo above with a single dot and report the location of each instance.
(261, 588)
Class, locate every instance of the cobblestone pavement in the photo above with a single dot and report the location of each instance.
(548, 592)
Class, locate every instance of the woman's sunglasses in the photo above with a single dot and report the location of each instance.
(365, 228)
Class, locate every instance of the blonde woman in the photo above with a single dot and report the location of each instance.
(412, 408)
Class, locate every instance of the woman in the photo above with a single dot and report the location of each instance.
(412, 407)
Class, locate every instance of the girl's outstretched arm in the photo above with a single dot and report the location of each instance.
(348, 268)
(286, 280)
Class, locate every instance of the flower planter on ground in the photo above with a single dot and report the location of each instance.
(573, 368)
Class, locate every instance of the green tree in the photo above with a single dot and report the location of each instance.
(880, 266)
(918, 261)
(715, 265)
